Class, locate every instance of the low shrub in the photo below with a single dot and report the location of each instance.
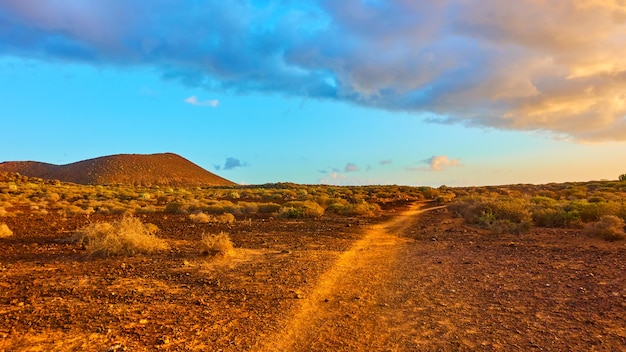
(358, 209)
(485, 211)
(556, 217)
(268, 208)
(127, 236)
(299, 209)
(609, 227)
(5, 231)
(594, 211)
(212, 245)
(176, 208)
(226, 218)
(507, 226)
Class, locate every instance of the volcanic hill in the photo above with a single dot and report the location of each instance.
(165, 169)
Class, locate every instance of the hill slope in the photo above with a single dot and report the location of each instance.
(165, 169)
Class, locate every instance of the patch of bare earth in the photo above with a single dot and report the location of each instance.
(418, 281)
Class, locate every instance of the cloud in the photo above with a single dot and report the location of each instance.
(194, 101)
(230, 163)
(440, 162)
(549, 66)
(351, 167)
(385, 162)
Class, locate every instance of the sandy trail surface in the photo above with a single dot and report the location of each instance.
(359, 303)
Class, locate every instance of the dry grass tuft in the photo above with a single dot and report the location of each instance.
(220, 244)
(127, 236)
(226, 218)
(4, 212)
(609, 227)
(5, 231)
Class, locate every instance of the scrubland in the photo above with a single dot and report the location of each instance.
(116, 267)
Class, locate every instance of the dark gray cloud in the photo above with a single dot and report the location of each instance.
(527, 65)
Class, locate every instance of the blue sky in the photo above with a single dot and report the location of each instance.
(351, 92)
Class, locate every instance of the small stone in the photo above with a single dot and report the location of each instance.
(163, 340)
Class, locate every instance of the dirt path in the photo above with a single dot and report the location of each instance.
(357, 304)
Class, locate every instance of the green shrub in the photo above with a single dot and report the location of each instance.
(594, 211)
(556, 217)
(609, 227)
(127, 236)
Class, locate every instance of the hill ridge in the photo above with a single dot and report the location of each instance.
(160, 169)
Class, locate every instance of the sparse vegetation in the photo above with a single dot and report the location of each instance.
(127, 236)
(502, 209)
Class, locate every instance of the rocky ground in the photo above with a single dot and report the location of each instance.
(408, 281)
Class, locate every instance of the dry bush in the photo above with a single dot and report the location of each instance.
(609, 227)
(219, 244)
(226, 218)
(4, 212)
(176, 208)
(200, 217)
(5, 231)
(127, 236)
(358, 209)
(507, 226)
(299, 209)
(268, 208)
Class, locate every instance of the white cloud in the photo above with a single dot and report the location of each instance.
(193, 100)
(440, 162)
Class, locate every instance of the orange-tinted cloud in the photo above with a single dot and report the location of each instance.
(440, 162)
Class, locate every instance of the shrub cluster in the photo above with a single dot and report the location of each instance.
(502, 214)
(505, 214)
